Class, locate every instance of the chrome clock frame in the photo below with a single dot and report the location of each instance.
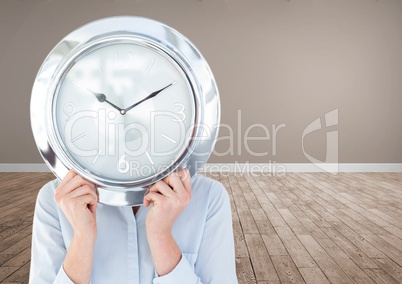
(147, 33)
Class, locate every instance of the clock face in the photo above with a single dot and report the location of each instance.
(124, 111)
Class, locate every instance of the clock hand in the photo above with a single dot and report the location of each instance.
(101, 98)
(148, 97)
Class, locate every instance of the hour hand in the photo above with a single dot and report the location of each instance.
(101, 98)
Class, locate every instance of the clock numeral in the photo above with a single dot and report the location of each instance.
(78, 137)
(122, 165)
(168, 138)
(150, 66)
(149, 157)
(96, 158)
(68, 109)
(180, 113)
(98, 65)
(124, 60)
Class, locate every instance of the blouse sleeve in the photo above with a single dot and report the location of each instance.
(48, 248)
(216, 257)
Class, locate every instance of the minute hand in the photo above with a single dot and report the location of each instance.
(148, 97)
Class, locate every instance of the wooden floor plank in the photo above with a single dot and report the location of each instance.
(292, 222)
(239, 240)
(6, 271)
(274, 244)
(354, 272)
(295, 248)
(19, 276)
(247, 222)
(262, 263)
(380, 276)
(391, 268)
(333, 272)
(5, 257)
(19, 259)
(18, 246)
(15, 238)
(287, 270)
(313, 275)
(354, 252)
(245, 273)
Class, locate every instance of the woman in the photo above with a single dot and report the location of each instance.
(182, 234)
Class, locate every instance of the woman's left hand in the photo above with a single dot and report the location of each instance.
(170, 197)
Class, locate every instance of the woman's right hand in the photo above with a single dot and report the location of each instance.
(77, 199)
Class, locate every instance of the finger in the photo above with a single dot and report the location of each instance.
(84, 190)
(174, 181)
(92, 204)
(69, 176)
(76, 182)
(85, 201)
(186, 179)
(154, 197)
(163, 188)
(73, 184)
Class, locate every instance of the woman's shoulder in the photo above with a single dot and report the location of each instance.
(207, 188)
(199, 181)
(46, 193)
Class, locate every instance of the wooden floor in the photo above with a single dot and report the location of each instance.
(298, 228)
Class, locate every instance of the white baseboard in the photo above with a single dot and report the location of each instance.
(253, 167)
(304, 167)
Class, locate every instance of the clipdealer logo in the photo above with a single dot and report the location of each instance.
(269, 135)
(330, 164)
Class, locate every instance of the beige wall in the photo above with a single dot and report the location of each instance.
(276, 61)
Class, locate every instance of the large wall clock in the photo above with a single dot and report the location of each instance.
(124, 101)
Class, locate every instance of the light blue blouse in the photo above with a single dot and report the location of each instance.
(203, 233)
